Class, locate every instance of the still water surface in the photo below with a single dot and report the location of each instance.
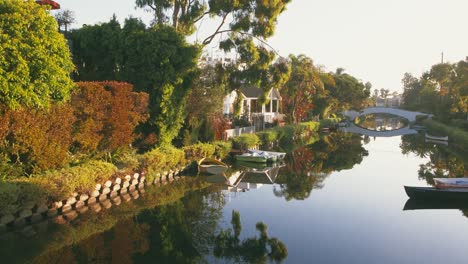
(338, 200)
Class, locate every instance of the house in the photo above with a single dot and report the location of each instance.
(251, 106)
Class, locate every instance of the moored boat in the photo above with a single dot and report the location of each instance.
(451, 182)
(435, 193)
(211, 166)
(252, 157)
(436, 138)
(278, 155)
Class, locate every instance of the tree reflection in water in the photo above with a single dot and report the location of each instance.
(444, 161)
(251, 250)
(308, 166)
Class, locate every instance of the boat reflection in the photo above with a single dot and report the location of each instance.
(419, 204)
(246, 176)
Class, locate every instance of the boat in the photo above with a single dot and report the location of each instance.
(429, 193)
(451, 182)
(252, 157)
(278, 155)
(211, 166)
(436, 138)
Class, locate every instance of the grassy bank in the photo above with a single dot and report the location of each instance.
(456, 135)
(56, 185)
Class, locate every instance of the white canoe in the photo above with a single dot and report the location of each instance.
(436, 138)
(451, 182)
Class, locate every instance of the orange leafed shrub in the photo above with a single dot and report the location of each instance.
(41, 139)
(107, 114)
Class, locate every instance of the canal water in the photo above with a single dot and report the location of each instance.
(339, 199)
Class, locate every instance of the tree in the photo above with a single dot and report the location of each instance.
(349, 92)
(299, 90)
(163, 65)
(244, 25)
(65, 18)
(35, 64)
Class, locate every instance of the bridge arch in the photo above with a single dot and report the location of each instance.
(410, 115)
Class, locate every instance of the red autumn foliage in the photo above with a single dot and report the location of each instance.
(107, 114)
(220, 125)
(40, 139)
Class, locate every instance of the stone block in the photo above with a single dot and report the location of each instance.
(98, 187)
(106, 204)
(126, 197)
(52, 212)
(134, 182)
(116, 187)
(41, 209)
(96, 207)
(106, 190)
(118, 181)
(36, 218)
(103, 197)
(128, 177)
(95, 193)
(6, 219)
(57, 205)
(125, 184)
(84, 197)
(60, 220)
(91, 200)
(70, 215)
(79, 204)
(19, 222)
(83, 209)
(136, 176)
(117, 200)
(71, 200)
(108, 184)
(124, 190)
(25, 213)
(113, 194)
(131, 188)
(141, 185)
(66, 208)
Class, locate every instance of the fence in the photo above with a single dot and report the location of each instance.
(230, 133)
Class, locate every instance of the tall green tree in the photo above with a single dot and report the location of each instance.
(35, 62)
(243, 27)
(302, 86)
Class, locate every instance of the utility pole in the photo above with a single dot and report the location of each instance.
(442, 58)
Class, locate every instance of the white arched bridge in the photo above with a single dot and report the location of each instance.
(409, 115)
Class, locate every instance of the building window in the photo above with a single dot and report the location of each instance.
(275, 105)
(255, 106)
(267, 107)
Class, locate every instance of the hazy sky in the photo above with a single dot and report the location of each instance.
(374, 40)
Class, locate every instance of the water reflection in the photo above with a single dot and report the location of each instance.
(381, 122)
(444, 161)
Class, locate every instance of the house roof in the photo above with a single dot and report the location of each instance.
(254, 92)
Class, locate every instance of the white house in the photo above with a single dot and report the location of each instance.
(251, 105)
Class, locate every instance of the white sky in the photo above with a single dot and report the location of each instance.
(374, 40)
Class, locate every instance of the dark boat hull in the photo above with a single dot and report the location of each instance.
(431, 193)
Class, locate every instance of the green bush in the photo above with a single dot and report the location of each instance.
(161, 159)
(455, 134)
(246, 141)
(199, 151)
(59, 184)
(268, 137)
(222, 148)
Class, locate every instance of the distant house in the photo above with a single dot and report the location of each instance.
(395, 100)
(251, 105)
